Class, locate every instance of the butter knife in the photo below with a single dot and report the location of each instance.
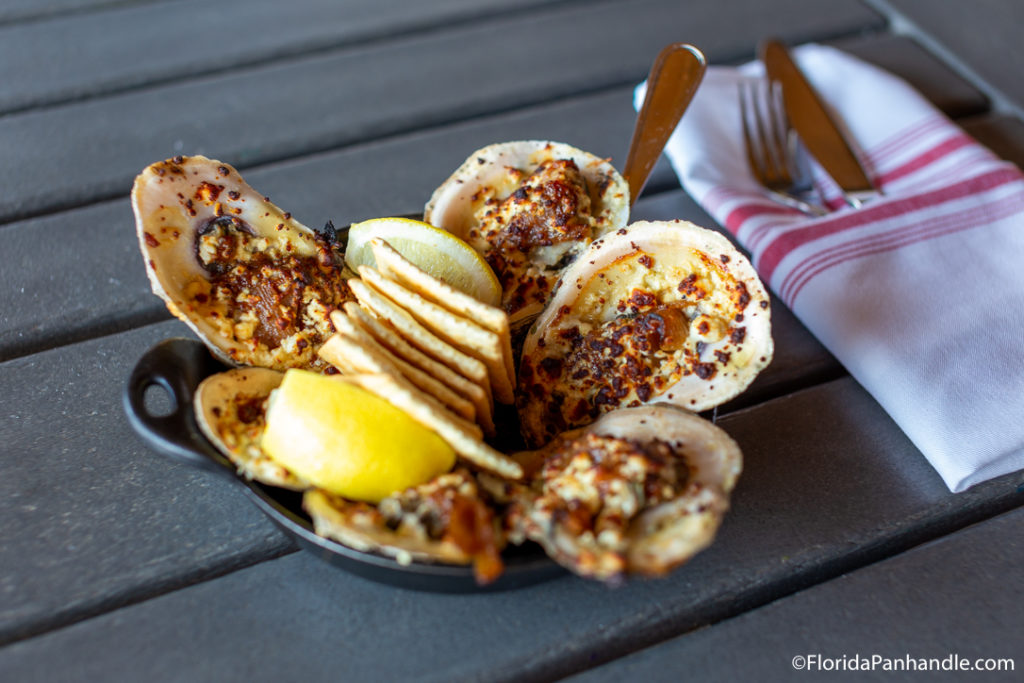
(818, 130)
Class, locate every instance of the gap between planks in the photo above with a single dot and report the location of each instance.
(525, 102)
(70, 617)
(549, 667)
(290, 53)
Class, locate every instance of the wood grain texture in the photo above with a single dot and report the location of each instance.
(12, 11)
(89, 54)
(92, 518)
(982, 36)
(74, 154)
(924, 603)
(820, 495)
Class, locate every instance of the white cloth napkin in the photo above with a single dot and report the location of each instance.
(920, 294)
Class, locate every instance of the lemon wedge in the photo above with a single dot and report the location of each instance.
(433, 250)
(347, 441)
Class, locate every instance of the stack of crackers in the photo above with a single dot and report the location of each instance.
(430, 350)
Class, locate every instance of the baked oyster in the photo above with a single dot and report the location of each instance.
(530, 208)
(664, 312)
(230, 409)
(638, 492)
(443, 520)
(255, 285)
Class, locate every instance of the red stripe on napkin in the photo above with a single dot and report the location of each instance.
(908, 234)
(902, 139)
(739, 215)
(934, 154)
(778, 249)
(718, 196)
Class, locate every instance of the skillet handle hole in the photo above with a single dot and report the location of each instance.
(158, 401)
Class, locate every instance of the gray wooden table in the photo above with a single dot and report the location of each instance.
(120, 565)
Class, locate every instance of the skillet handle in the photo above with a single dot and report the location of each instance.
(177, 366)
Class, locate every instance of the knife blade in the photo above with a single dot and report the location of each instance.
(816, 127)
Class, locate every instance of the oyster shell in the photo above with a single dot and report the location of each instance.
(254, 284)
(231, 411)
(656, 312)
(530, 207)
(639, 491)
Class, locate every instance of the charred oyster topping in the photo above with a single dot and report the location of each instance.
(613, 350)
(242, 423)
(265, 297)
(443, 519)
(639, 491)
(590, 489)
(449, 509)
(527, 236)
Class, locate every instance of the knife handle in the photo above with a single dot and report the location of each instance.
(675, 75)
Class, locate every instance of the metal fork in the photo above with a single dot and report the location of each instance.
(771, 146)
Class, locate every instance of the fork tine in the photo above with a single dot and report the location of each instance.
(752, 147)
(766, 134)
(763, 152)
(778, 124)
(767, 137)
(782, 137)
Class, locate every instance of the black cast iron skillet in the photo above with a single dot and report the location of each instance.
(178, 366)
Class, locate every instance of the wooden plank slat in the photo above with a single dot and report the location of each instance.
(983, 37)
(821, 494)
(157, 42)
(954, 596)
(901, 55)
(89, 278)
(1002, 134)
(70, 155)
(32, 10)
(92, 518)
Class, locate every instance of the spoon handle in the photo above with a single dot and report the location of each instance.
(672, 83)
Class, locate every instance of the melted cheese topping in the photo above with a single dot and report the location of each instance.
(529, 233)
(589, 491)
(635, 330)
(241, 426)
